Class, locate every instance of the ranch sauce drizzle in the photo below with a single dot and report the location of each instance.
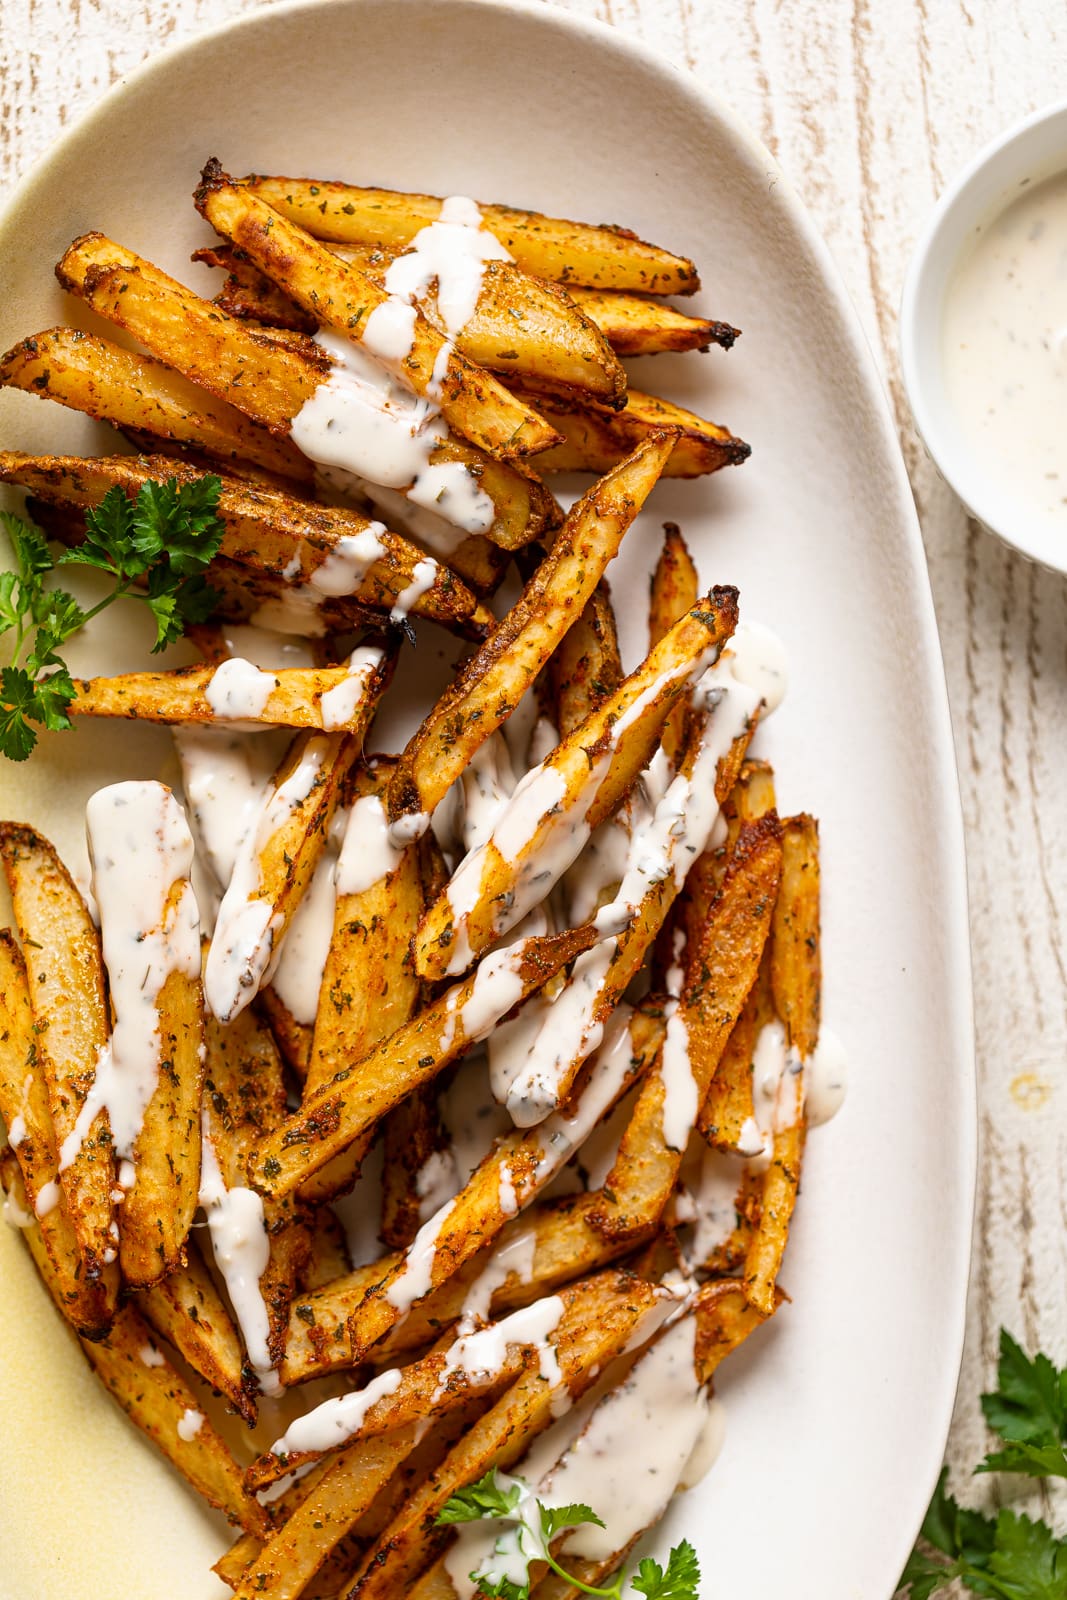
(1005, 347)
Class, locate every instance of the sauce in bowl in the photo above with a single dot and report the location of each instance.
(1005, 347)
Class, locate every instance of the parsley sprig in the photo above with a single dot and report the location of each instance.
(1011, 1556)
(155, 548)
(489, 1499)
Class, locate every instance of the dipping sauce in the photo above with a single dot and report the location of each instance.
(1006, 347)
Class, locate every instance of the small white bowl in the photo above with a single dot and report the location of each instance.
(1027, 153)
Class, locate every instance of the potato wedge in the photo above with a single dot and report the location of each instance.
(586, 666)
(636, 325)
(65, 986)
(581, 783)
(548, 247)
(489, 686)
(186, 1309)
(115, 385)
(357, 1097)
(324, 557)
(87, 1301)
(473, 402)
(153, 1394)
(596, 441)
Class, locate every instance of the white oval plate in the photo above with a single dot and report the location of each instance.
(838, 1411)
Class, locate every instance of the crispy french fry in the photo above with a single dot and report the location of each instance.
(517, 1168)
(250, 294)
(795, 972)
(674, 591)
(726, 1118)
(600, 1316)
(293, 1038)
(725, 1317)
(412, 1137)
(651, 1150)
(153, 1394)
(115, 385)
(279, 854)
(489, 686)
(299, 697)
(87, 1301)
(586, 665)
(186, 1309)
(473, 402)
(547, 247)
(65, 985)
(635, 325)
(596, 441)
(325, 558)
(357, 1097)
(582, 781)
(328, 1257)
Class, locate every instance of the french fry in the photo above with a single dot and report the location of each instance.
(87, 1301)
(726, 1117)
(795, 983)
(635, 325)
(473, 402)
(299, 698)
(651, 1150)
(596, 441)
(724, 1317)
(293, 1038)
(516, 1169)
(600, 1317)
(278, 856)
(153, 1394)
(250, 294)
(586, 665)
(582, 782)
(412, 1137)
(357, 1097)
(65, 986)
(489, 686)
(547, 247)
(186, 1309)
(328, 1257)
(674, 591)
(115, 385)
(325, 558)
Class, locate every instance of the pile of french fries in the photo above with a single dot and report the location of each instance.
(520, 951)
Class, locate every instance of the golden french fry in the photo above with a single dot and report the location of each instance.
(586, 666)
(412, 1136)
(673, 592)
(186, 1309)
(489, 686)
(153, 1394)
(547, 247)
(726, 1116)
(87, 1300)
(357, 1097)
(724, 1319)
(293, 1038)
(329, 1257)
(581, 783)
(473, 402)
(596, 441)
(296, 697)
(635, 325)
(325, 559)
(65, 985)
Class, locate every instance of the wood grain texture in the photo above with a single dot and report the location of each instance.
(870, 106)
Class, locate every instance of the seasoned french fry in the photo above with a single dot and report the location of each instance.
(725, 1317)
(726, 1118)
(153, 1394)
(281, 850)
(473, 402)
(326, 558)
(489, 686)
(65, 986)
(297, 697)
(651, 1150)
(635, 325)
(586, 665)
(795, 983)
(356, 1098)
(186, 1309)
(328, 1258)
(674, 591)
(599, 1318)
(596, 441)
(250, 294)
(582, 781)
(547, 247)
(293, 1038)
(87, 1301)
(115, 385)
(412, 1137)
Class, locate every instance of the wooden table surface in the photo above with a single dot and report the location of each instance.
(871, 107)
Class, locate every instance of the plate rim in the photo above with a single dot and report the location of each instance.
(949, 822)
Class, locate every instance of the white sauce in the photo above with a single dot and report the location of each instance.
(238, 691)
(241, 1247)
(423, 577)
(338, 705)
(451, 253)
(713, 1194)
(825, 1079)
(708, 1447)
(151, 1357)
(17, 1130)
(140, 846)
(190, 1424)
(416, 1278)
(484, 787)
(365, 421)
(298, 976)
(47, 1198)
(336, 1420)
(517, 1256)
(225, 776)
(497, 987)
(1005, 348)
(14, 1214)
(680, 1101)
(368, 852)
(297, 609)
(436, 1182)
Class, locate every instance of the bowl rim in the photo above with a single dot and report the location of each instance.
(930, 419)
